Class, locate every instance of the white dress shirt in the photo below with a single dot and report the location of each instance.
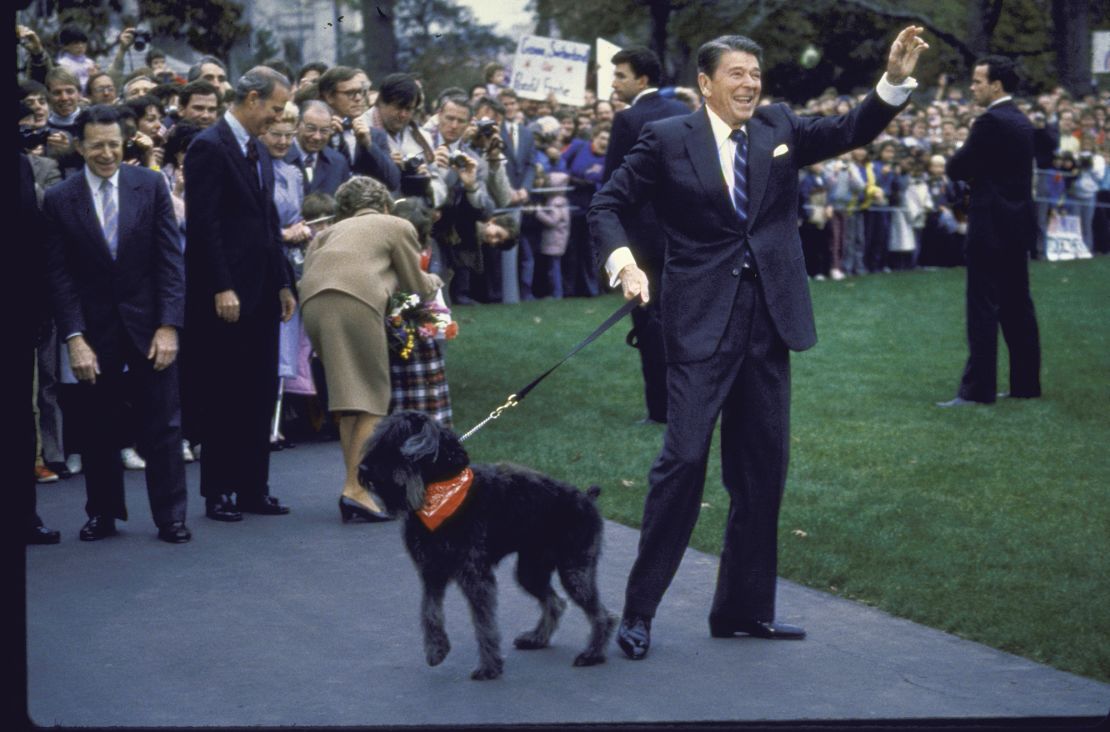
(94, 181)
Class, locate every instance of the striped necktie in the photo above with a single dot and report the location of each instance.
(110, 221)
(740, 175)
(309, 166)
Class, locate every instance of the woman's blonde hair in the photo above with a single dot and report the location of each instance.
(362, 192)
(290, 115)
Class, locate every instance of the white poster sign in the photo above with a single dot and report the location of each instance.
(544, 66)
(605, 52)
(1100, 52)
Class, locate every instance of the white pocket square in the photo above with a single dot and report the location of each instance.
(780, 150)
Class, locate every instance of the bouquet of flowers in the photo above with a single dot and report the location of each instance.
(411, 318)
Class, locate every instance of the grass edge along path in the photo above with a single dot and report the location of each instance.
(986, 522)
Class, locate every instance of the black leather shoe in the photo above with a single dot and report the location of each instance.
(98, 527)
(42, 535)
(768, 629)
(60, 470)
(264, 505)
(221, 509)
(350, 510)
(634, 636)
(175, 533)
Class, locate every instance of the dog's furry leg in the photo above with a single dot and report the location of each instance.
(535, 577)
(436, 644)
(479, 586)
(581, 585)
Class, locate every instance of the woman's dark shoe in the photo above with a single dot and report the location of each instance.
(350, 510)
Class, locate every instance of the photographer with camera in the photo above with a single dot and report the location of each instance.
(366, 149)
(145, 143)
(393, 111)
(461, 193)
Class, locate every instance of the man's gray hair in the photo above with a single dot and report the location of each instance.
(194, 70)
(261, 79)
(310, 104)
(362, 192)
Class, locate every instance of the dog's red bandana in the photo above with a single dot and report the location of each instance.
(442, 499)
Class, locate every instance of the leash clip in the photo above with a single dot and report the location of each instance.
(512, 402)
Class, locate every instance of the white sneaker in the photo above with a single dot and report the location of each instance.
(837, 275)
(186, 453)
(131, 459)
(73, 463)
(196, 451)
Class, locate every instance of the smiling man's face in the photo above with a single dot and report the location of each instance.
(733, 90)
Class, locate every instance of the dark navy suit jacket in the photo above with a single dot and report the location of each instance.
(376, 162)
(997, 159)
(641, 224)
(233, 237)
(330, 171)
(674, 166)
(141, 289)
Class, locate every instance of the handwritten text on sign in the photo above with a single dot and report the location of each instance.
(545, 66)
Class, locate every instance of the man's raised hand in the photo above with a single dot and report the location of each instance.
(904, 52)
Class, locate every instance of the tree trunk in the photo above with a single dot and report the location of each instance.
(1071, 39)
(660, 14)
(379, 40)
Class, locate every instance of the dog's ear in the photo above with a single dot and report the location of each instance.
(408, 476)
(424, 444)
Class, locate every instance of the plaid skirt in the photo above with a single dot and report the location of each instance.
(419, 383)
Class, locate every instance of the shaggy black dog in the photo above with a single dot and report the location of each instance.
(550, 525)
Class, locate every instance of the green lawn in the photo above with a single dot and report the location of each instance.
(992, 523)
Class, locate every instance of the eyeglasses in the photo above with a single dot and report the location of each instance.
(314, 130)
(353, 94)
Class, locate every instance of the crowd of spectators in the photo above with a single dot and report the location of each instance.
(509, 179)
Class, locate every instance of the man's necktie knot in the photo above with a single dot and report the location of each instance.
(252, 150)
(738, 135)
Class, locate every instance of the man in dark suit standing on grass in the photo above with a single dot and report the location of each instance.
(238, 288)
(724, 185)
(117, 278)
(635, 78)
(997, 160)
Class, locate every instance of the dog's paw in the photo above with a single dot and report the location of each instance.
(485, 673)
(589, 659)
(436, 649)
(531, 641)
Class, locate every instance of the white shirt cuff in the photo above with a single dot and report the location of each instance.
(618, 260)
(895, 94)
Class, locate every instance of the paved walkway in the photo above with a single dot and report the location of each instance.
(302, 620)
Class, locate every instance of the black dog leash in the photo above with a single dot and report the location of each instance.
(518, 397)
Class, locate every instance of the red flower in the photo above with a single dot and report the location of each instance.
(451, 330)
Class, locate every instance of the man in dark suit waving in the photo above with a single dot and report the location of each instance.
(724, 185)
(117, 278)
(636, 75)
(238, 287)
(1001, 232)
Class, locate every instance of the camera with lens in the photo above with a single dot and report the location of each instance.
(132, 151)
(31, 137)
(459, 160)
(142, 38)
(411, 164)
(485, 127)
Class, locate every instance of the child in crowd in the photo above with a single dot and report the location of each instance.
(554, 216)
